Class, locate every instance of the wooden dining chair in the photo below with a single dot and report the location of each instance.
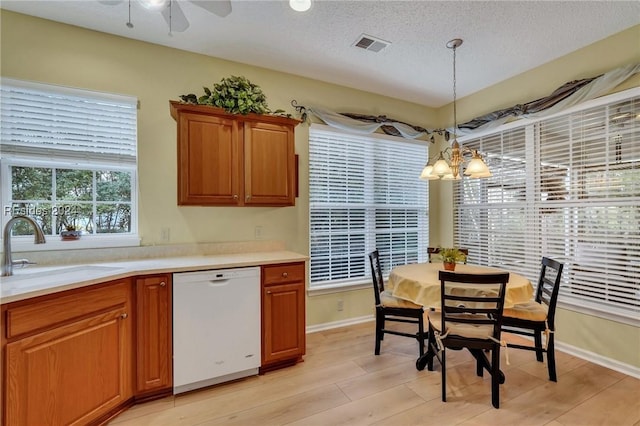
(470, 316)
(537, 316)
(393, 309)
(436, 250)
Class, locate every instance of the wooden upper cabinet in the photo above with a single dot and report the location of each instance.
(208, 160)
(234, 160)
(269, 161)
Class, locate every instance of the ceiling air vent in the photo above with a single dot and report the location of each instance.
(371, 43)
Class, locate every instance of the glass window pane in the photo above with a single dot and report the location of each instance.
(31, 183)
(113, 186)
(113, 218)
(74, 185)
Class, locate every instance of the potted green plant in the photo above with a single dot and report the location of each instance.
(451, 256)
(71, 230)
(236, 94)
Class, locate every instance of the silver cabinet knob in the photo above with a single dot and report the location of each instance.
(235, 196)
(124, 315)
(285, 275)
(163, 284)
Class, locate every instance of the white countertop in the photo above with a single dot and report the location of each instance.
(38, 281)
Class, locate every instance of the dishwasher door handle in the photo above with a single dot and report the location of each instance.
(219, 282)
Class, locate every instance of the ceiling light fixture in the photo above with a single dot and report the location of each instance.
(129, 23)
(300, 5)
(153, 4)
(449, 161)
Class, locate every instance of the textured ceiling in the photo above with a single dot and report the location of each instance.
(501, 39)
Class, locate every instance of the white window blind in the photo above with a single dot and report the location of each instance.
(43, 121)
(566, 187)
(364, 194)
(69, 158)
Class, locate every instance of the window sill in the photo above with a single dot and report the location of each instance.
(319, 290)
(586, 308)
(21, 244)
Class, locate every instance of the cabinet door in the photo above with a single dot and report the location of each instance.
(269, 156)
(153, 334)
(72, 374)
(283, 322)
(209, 160)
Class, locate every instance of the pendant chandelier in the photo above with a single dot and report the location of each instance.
(448, 164)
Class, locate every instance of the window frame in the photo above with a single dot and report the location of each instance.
(533, 206)
(367, 204)
(15, 156)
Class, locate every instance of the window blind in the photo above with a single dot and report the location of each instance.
(364, 194)
(50, 121)
(566, 187)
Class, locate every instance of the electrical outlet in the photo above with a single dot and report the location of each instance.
(165, 234)
(258, 233)
(340, 305)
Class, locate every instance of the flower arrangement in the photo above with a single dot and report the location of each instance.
(236, 95)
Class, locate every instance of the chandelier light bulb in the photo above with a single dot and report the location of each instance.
(441, 168)
(427, 173)
(477, 167)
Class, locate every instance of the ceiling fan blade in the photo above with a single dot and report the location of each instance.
(175, 17)
(218, 7)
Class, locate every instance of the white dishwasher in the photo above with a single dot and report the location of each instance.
(216, 327)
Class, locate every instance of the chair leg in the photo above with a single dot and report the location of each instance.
(551, 359)
(420, 336)
(431, 349)
(444, 374)
(537, 337)
(479, 368)
(495, 377)
(379, 332)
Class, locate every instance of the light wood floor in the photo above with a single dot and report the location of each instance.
(342, 382)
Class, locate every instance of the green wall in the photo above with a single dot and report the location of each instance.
(44, 51)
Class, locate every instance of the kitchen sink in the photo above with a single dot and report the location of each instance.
(45, 271)
(27, 279)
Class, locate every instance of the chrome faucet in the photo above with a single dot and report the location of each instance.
(7, 261)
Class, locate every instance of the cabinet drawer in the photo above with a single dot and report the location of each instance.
(278, 274)
(28, 318)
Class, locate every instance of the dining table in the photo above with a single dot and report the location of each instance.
(419, 283)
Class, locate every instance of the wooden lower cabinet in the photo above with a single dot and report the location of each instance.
(72, 372)
(154, 360)
(283, 315)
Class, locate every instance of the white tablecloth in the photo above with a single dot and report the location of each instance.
(419, 283)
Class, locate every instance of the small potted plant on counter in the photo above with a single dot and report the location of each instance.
(71, 231)
(451, 256)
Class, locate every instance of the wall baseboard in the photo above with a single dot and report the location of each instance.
(593, 357)
(337, 324)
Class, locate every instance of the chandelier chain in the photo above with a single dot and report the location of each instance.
(455, 118)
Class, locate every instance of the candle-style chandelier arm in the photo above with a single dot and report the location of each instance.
(446, 164)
